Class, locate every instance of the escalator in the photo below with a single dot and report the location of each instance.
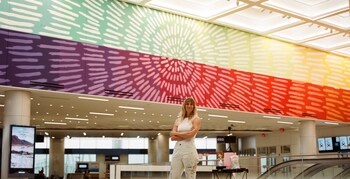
(336, 168)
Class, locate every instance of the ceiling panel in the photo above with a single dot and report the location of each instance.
(331, 42)
(309, 8)
(321, 24)
(302, 33)
(258, 19)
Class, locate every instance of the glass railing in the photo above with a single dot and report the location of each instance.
(271, 167)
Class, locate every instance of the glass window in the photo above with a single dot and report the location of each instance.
(137, 158)
(70, 161)
(42, 161)
(105, 143)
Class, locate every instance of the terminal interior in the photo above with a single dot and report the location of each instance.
(102, 82)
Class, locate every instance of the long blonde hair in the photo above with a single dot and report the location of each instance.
(182, 113)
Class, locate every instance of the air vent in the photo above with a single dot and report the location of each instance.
(48, 85)
(304, 114)
(228, 105)
(175, 99)
(119, 93)
(269, 110)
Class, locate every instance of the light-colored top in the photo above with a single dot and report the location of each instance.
(188, 145)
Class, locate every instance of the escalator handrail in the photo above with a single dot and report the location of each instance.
(304, 161)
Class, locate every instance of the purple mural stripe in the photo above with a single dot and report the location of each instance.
(40, 62)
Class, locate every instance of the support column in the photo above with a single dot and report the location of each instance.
(220, 147)
(308, 144)
(57, 157)
(152, 150)
(16, 111)
(163, 148)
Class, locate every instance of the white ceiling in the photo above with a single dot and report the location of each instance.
(320, 24)
(61, 114)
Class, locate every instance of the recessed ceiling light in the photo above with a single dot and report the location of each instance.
(272, 117)
(46, 133)
(122, 134)
(284, 122)
(242, 122)
(220, 116)
(129, 107)
(158, 134)
(56, 123)
(331, 123)
(84, 133)
(102, 114)
(94, 99)
(76, 119)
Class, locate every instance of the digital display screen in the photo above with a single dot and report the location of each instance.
(321, 144)
(112, 158)
(22, 148)
(343, 142)
(82, 166)
(115, 158)
(332, 144)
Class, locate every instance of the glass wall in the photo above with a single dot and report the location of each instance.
(42, 161)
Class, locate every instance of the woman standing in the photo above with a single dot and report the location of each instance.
(185, 156)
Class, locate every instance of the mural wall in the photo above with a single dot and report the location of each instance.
(111, 48)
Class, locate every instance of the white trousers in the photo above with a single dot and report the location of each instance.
(184, 160)
(181, 163)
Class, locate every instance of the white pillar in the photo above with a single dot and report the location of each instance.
(16, 111)
(163, 148)
(56, 157)
(308, 143)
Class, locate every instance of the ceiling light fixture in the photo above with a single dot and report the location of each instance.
(242, 122)
(331, 123)
(46, 133)
(56, 123)
(272, 117)
(84, 133)
(129, 107)
(214, 115)
(102, 114)
(1, 95)
(283, 122)
(121, 134)
(94, 99)
(2, 105)
(76, 119)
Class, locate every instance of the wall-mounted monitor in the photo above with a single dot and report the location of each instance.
(112, 158)
(22, 148)
(83, 166)
(330, 144)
